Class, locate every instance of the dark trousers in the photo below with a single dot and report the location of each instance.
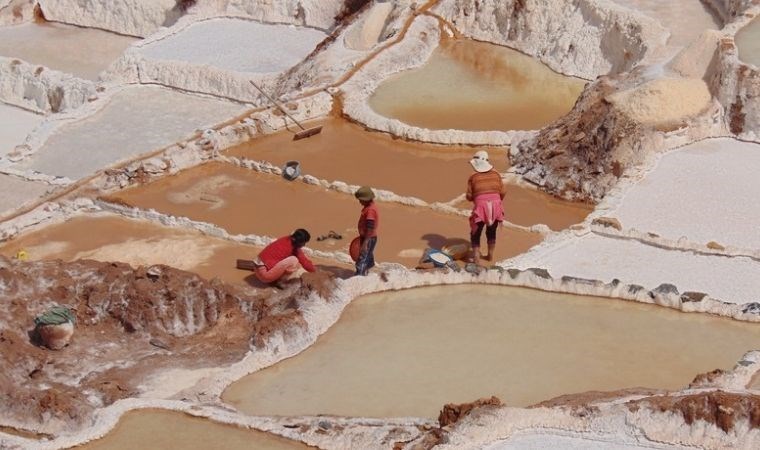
(366, 259)
(490, 234)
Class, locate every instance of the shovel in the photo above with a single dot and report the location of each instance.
(305, 132)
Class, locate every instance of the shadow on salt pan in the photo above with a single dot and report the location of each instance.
(407, 353)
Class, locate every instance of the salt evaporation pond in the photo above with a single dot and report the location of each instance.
(169, 429)
(408, 353)
(237, 45)
(685, 19)
(471, 85)
(748, 42)
(84, 52)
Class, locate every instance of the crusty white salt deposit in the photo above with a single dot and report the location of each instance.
(136, 120)
(664, 100)
(15, 125)
(587, 441)
(592, 256)
(685, 19)
(16, 192)
(707, 191)
(237, 45)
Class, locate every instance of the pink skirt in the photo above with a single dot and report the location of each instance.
(488, 209)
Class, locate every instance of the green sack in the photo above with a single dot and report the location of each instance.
(57, 315)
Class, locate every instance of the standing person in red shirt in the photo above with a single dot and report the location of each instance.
(368, 226)
(486, 190)
(283, 257)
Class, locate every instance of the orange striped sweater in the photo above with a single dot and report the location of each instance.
(485, 182)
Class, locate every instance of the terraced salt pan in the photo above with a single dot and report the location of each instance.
(470, 85)
(138, 243)
(347, 152)
(15, 125)
(84, 52)
(16, 192)
(748, 42)
(406, 353)
(246, 202)
(162, 429)
(237, 45)
(706, 191)
(685, 19)
(592, 256)
(136, 120)
(549, 441)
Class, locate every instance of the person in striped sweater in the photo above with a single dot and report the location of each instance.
(486, 190)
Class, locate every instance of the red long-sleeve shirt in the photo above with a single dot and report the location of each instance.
(281, 249)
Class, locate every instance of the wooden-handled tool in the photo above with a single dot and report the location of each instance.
(305, 132)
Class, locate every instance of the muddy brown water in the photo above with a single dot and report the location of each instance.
(470, 85)
(138, 242)
(161, 429)
(243, 201)
(407, 353)
(84, 52)
(748, 42)
(434, 173)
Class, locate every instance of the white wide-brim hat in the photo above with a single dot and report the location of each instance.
(480, 162)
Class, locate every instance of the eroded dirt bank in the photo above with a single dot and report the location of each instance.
(131, 323)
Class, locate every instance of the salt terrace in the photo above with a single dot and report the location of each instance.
(139, 163)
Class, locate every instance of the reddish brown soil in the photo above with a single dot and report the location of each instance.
(722, 409)
(581, 155)
(131, 324)
(451, 413)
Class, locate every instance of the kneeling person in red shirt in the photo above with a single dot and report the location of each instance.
(283, 257)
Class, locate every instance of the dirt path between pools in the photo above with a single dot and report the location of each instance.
(246, 202)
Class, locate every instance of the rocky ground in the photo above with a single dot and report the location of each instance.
(131, 324)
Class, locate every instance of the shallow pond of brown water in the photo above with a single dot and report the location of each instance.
(161, 429)
(138, 242)
(407, 353)
(243, 201)
(434, 173)
(470, 85)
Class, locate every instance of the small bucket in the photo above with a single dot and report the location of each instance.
(291, 170)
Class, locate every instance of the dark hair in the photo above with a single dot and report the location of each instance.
(299, 238)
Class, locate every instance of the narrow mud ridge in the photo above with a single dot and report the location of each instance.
(131, 324)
